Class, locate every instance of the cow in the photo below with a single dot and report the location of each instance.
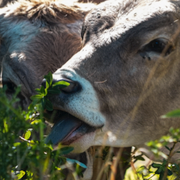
(124, 78)
(38, 37)
(4, 3)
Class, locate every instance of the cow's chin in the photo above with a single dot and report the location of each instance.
(71, 131)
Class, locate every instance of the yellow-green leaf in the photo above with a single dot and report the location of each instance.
(27, 134)
(21, 174)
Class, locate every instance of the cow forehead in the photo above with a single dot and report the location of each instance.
(122, 8)
(122, 16)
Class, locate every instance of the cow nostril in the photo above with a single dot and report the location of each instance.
(72, 88)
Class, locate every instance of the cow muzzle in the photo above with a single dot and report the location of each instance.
(78, 109)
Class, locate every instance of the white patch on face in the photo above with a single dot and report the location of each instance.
(84, 104)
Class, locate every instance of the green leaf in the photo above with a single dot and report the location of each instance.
(37, 121)
(154, 165)
(42, 90)
(47, 85)
(48, 78)
(38, 90)
(172, 114)
(37, 98)
(139, 158)
(48, 105)
(77, 162)
(5, 127)
(65, 150)
(27, 135)
(21, 174)
(61, 84)
(169, 173)
(16, 144)
(167, 148)
(158, 171)
(177, 167)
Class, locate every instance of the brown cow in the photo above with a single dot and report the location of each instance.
(125, 77)
(37, 38)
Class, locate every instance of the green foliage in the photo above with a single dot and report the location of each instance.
(164, 169)
(23, 152)
(43, 92)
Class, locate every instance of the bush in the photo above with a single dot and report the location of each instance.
(23, 153)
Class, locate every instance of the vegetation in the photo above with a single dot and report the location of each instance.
(24, 155)
(164, 170)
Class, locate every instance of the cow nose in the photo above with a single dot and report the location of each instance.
(72, 88)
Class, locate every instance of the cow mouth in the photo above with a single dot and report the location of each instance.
(67, 129)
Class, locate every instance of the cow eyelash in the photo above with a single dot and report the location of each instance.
(158, 46)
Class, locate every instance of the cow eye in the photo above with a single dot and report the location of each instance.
(159, 46)
(11, 87)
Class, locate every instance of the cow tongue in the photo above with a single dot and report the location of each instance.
(67, 129)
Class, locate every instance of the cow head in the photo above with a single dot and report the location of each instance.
(37, 37)
(127, 75)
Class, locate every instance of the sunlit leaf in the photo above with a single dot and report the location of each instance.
(37, 98)
(27, 135)
(16, 144)
(48, 78)
(21, 174)
(42, 90)
(61, 84)
(37, 121)
(5, 127)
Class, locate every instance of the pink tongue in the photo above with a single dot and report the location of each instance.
(64, 129)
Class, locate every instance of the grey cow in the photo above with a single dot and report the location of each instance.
(125, 77)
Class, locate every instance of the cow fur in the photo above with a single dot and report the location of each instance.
(38, 37)
(127, 82)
